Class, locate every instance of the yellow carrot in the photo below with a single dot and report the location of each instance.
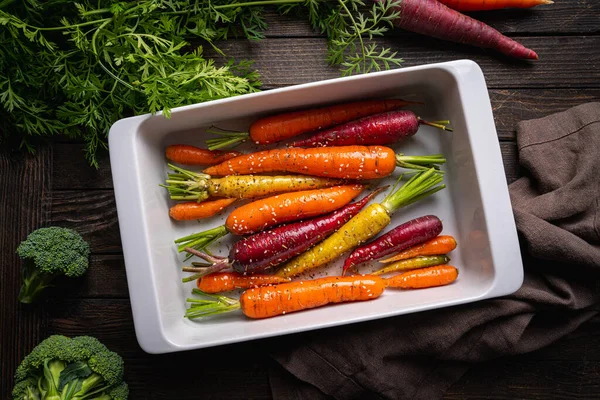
(413, 263)
(188, 185)
(363, 226)
(366, 224)
(253, 186)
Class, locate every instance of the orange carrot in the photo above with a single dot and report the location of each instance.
(226, 281)
(346, 162)
(483, 5)
(279, 127)
(191, 155)
(194, 210)
(423, 278)
(436, 246)
(269, 301)
(258, 215)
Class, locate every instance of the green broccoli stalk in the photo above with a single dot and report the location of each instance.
(80, 368)
(48, 253)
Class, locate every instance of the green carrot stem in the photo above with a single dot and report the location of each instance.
(186, 185)
(201, 240)
(437, 124)
(420, 185)
(198, 301)
(191, 278)
(420, 163)
(218, 304)
(421, 160)
(227, 139)
(424, 194)
(213, 308)
(188, 173)
(218, 297)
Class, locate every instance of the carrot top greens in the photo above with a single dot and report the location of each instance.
(421, 185)
(74, 68)
(218, 304)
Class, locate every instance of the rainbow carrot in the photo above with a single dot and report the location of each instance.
(345, 162)
(443, 244)
(424, 278)
(283, 126)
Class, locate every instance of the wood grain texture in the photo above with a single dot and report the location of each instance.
(564, 16)
(91, 213)
(557, 68)
(228, 372)
(24, 206)
(72, 171)
(519, 378)
(105, 278)
(511, 106)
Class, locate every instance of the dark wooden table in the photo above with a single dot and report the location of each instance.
(57, 187)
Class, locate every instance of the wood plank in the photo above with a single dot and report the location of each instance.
(91, 213)
(72, 171)
(565, 16)
(105, 278)
(519, 378)
(227, 372)
(557, 67)
(581, 345)
(24, 185)
(511, 106)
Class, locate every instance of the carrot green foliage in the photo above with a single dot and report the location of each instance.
(74, 68)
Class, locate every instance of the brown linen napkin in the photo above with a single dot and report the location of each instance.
(418, 356)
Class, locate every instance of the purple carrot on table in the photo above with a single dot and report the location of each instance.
(432, 18)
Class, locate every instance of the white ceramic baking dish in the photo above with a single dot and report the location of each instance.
(475, 207)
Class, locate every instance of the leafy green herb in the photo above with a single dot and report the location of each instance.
(76, 73)
(348, 29)
(73, 69)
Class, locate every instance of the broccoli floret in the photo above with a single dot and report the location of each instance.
(60, 368)
(26, 390)
(119, 392)
(47, 253)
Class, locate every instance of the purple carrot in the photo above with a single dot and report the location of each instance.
(400, 238)
(432, 18)
(384, 128)
(269, 248)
